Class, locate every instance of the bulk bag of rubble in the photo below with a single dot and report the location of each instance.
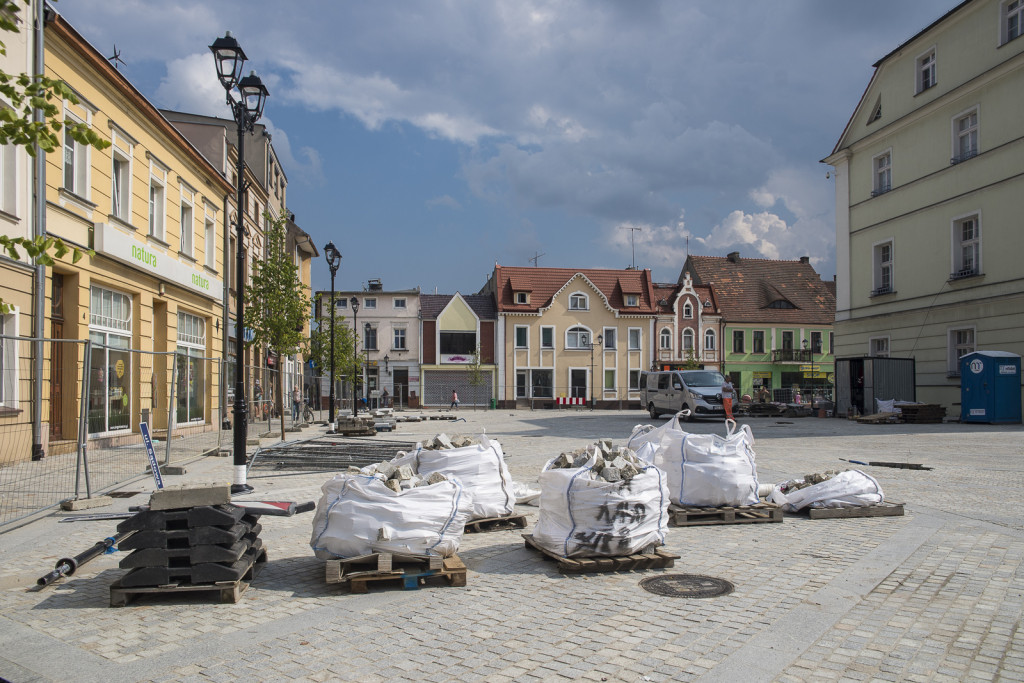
(479, 466)
(851, 488)
(583, 514)
(707, 470)
(647, 440)
(360, 514)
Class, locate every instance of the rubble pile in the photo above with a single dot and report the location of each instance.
(443, 442)
(398, 477)
(807, 480)
(611, 463)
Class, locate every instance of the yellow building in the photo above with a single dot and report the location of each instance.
(153, 209)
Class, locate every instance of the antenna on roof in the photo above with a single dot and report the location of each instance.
(632, 230)
(536, 259)
(115, 58)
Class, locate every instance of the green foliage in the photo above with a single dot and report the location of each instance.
(477, 376)
(319, 349)
(41, 250)
(691, 362)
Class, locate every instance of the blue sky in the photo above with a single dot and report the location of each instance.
(429, 140)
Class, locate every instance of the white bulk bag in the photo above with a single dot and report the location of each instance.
(584, 517)
(851, 488)
(481, 469)
(643, 434)
(358, 514)
(707, 470)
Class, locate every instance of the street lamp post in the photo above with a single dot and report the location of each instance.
(230, 59)
(589, 342)
(333, 261)
(354, 302)
(804, 344)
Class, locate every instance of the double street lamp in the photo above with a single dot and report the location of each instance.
(246, 111)
(356, 369)
(333, 261)
(588, 342)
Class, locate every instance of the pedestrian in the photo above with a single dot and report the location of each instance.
(727, 395)
(384, 398)
(762, 394)
(455, 401)
(296, 402)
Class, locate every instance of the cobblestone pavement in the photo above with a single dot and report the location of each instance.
(935, 595)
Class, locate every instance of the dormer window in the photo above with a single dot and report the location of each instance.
(687, 310)
(632, 300)
(578, 302)
(781, 303)
(522, 297)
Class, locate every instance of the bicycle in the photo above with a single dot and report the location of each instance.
(307, 412)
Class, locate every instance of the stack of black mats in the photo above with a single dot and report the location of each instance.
(189, 546)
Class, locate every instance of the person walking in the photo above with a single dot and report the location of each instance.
(727, 395)
(296, 402)
(455, 401)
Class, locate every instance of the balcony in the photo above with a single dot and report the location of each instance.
(969, 154)
(792, 356)
(887, 289)
(970, 271)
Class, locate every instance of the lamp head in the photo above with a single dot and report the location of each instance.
(229, 58)
(333, 257)
(254, 96)
(354, 303)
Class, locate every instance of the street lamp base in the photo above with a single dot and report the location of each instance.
(241, 489)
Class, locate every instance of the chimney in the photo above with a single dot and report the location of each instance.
(734, 256)
(805, 259)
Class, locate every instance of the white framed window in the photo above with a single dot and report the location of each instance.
(882, 258)
(961, 342)
(878, 346)
(121, 185)
(738, 339)
(665, 339)
(186, 213)
(399, 304)
(882, 167)
(370, 338)
(632, 300)
(577, 338)
(522, 297)
(608, 340)
(634, 380)
(110, 365)
(76, 160)
(687, 339)
(926, 76)
(578, 302)
(687, 310)
(8, 179)
(9, 360)
(609, 379)
(399, 339)
(341, 303)
(709, 340)
(547, 337)
(757, 341)
(369, 304)
(210, 237)
(522, 337)
(966, 247)
(965, 136)
(157, 200)
(1011, 20)
(635, 337)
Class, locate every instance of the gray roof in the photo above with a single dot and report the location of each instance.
(431, 305)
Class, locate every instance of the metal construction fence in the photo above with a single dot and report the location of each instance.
(71, 414)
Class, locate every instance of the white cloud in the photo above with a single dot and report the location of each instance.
(191, 85)
(444, 200)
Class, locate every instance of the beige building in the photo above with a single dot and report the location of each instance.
(929, 177)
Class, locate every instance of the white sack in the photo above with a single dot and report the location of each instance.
(851, 488)
(356, 510)
(583, 517)
(525, 494)
(707, 470)
(643, 434)
(481, 469)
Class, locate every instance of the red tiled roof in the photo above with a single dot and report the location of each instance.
(544, 283)
(746, 288)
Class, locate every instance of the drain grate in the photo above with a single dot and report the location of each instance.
(686, 586)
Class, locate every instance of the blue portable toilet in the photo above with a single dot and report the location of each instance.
(990, 387)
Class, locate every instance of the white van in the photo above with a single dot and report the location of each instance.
(699, 391)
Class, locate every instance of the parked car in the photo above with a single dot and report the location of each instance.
(670, 391)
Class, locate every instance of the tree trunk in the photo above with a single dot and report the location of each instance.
(280, 395)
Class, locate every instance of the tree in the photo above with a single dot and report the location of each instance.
(319, 348)
(691, 362)
(276, 303)
(477, 377)
(20, 126)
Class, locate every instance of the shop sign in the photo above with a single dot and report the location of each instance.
(121, 246)
(457, 359)
(758, 374)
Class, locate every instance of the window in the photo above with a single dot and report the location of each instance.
(665, 339)
(737, 341)
(709, 340)
(577, 338)
(609, 380)
(210, 242)
(882, 165)
(687, 310)
(190, 392)
(876, 113)
(883, 269)
(758, 341)
(926, 71)
(110, 364)
(341, 303)
(632, 300)
(878, 346)
(522, 337)
(399, 339)
(370, 338)
(369, 304)
(121, 186)
(961, 342)
(965, 137)
(187, 228)
(609, 338)
(547, 337)
(399, 304)
(966, 247)
(458, 343)
(816, 342)
(831, 343)
(634, 380)
(578, 302)
(787, 340)
(522, 298)
(8, 361)
(687, 339)
(76, 161)
(1012, 16)
(156, 203)
(634, 338)
(8, 178)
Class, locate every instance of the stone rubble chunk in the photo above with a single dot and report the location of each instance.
(611, 474)
(394, 485)
(436, 478)
(404, 472)
(387, 469)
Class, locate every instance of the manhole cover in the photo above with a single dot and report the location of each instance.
(686, 586)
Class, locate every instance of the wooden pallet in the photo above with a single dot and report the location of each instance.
(686, 515)
(229, 591)
(879, 418)
(496, 523)
(881, 510)
(655, 558)
(924, 413)
(411, 571)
